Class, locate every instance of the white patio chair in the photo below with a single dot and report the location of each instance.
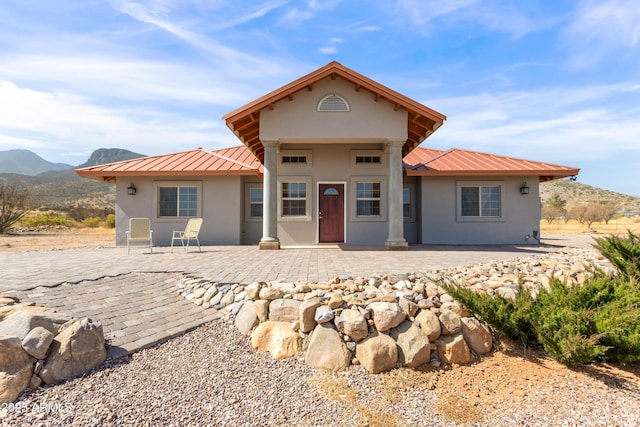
(190, 232)
(139, 231)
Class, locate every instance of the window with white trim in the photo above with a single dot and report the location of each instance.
(367, 199)
(178, 200)
(294, 159)
(255, 201)
(367, 159)
(333, 103)
(294, 199)
(479, 200)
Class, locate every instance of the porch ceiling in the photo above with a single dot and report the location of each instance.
(422, 121)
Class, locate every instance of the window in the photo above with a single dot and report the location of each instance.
(178, 200)
(368, 199)
(255, 201)
(367, 159)
(294, 159)
(480, 201)
(406, 202)
(294, 198)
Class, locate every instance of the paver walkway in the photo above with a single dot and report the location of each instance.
(134, 296)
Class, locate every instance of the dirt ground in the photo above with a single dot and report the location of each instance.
(510, 377)
(52, 239)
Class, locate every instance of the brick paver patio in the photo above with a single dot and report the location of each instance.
(134, 297)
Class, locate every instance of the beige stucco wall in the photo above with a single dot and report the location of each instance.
(299, 120)
(220, 208)
(440, 225)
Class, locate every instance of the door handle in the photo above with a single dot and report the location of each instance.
(319, 215)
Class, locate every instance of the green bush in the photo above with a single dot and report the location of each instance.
(574, 324)
(92, 222)
(623, 252)
(47, 220)
(111, 221)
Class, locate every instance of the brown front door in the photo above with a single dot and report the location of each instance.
(331, 217)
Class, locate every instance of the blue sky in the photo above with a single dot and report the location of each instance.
(555, 81)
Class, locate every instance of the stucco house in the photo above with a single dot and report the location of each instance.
(333, 157)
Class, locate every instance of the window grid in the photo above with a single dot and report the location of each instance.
(480, 201)
(368, 160)
(256, 202)
(178, 201)
(368, 199)
(294, 198)
(406, 202)
(294, 159)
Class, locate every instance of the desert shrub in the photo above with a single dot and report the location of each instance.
(574, 324)
(512, 318)
(91, 222)
(111, 221)
(47, 219)
(623, 252)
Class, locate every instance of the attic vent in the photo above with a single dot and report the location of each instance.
(333, 102)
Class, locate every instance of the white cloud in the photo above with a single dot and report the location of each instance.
(601, 28)
(554, 124)
(328, 50)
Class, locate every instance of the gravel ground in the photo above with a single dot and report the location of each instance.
(210, 376)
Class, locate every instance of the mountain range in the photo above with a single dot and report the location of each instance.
(57, 186)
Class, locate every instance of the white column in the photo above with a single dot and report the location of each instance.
(270, 197)
(394, 199)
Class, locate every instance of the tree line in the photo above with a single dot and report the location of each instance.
(556, 209)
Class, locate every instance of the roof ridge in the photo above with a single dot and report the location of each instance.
(229, 159)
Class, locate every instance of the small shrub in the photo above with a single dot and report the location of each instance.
(92, 222)
(623, 252)
(45, 220)
(111, 221)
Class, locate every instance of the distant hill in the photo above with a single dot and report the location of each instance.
(25, 162)
(109, 155)
(59, 189)
(576, 193)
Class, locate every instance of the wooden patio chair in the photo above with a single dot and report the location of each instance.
(139, 231)
(189, 233)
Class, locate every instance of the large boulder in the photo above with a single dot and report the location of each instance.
(386, 315)
(16, 368)
(453, 349)
(378, 353)
(278, 338)
(413, 345)
(246, 319)
(284, 310)
(21, 320)
(37, 342)
(74, 351)
(477, 335)
(270, 293)
(430, 324)
(353, 324)
(449, 322)
(326, 350)
(307, 311)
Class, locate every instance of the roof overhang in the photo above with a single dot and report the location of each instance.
(422, 121)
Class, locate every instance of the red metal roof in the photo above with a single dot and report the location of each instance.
(198, 162)
(240, 161)
(458, 162)
(422, 121)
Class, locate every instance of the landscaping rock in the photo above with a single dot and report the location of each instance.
(21, 320)
(37, 342)
(377, 353)
(16, 368)
(246, 319)
(323, 314)
(353, 324)
(449, 322)
(261, 308)
(413, 345)
(326, 350)
(453, 349)
(477, 335)
(430, 324)
(386, 315)
(270, 293)
(74, 351)
(284, 310)
(307, 312)
(278, 338)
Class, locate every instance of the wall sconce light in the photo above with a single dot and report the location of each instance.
(524, 188)
(131, 189)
